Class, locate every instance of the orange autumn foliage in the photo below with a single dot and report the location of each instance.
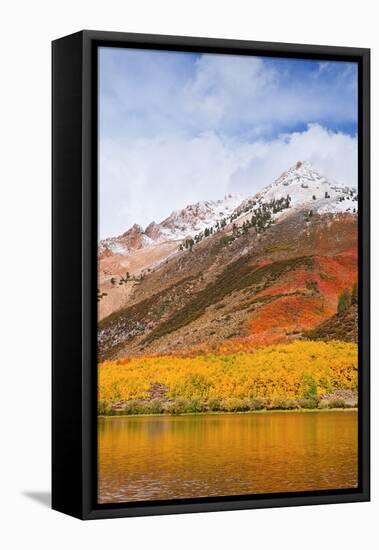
(303, 299)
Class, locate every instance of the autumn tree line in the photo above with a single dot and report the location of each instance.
(297, 375)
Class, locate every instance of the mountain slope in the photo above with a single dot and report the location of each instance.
(259, 288)
(300, 191)
(338, 327)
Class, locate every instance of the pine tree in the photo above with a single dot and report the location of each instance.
(354, 294)
(100, 295)
(343, 302)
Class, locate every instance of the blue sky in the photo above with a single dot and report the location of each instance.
(177, 127)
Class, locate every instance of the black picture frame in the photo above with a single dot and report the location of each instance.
(74, 272)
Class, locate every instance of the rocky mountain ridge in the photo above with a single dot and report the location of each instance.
(237, 224)
(303, 183)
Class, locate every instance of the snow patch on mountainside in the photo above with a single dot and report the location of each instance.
(112, 245)
(197, 217)
(179, 225)
(307, 187)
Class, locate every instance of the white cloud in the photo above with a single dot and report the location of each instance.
(224, 87)
(176, 128)
(237, 93)
(144, 180)
(333, 153)
(150, 94)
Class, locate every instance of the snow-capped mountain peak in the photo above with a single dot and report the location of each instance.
(307, 187)
(303, 172)
(301, 187)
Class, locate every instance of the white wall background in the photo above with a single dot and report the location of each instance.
(27, 27)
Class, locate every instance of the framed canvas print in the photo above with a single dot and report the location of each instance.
(210, 274)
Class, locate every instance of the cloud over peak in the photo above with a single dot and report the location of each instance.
(178, 127)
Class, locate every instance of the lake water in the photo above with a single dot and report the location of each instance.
(167, 457)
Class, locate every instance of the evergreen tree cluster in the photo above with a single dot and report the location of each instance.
(188, 244)
(353, 195)
(308, 215)
(100, 295)
(123, 280)
(261, 219)
(347, 298)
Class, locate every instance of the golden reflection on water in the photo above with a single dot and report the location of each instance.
(165, 457)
